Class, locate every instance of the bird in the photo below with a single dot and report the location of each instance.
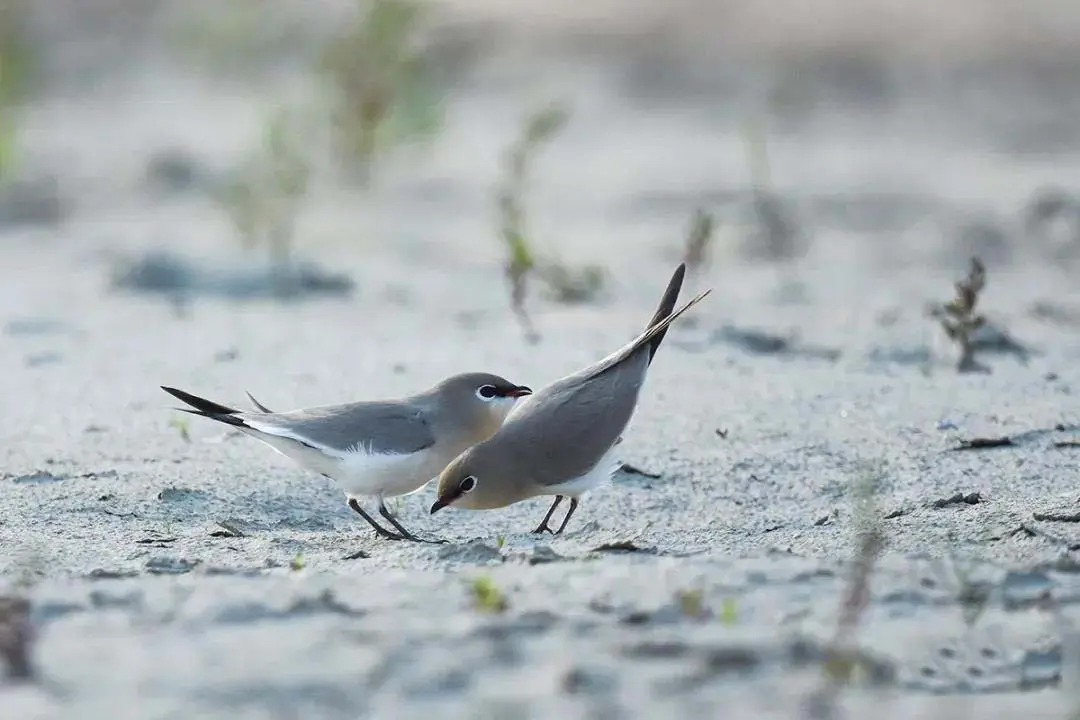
(562, 439)
(382, 448)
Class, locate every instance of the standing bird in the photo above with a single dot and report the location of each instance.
(561, 441)
(378, 448)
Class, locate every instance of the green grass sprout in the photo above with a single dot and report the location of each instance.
(486, 595)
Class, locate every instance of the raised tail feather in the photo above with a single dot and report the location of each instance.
(667, 304)
(646, 338)
(258, 405)
(206, 408)
(658, 329)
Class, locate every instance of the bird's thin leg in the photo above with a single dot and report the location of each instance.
(573, 507)
(379, 529)
(385, 512)
(543, 527)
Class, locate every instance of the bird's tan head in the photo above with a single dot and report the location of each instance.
(482, 392)
(480, 400)
(468, 483)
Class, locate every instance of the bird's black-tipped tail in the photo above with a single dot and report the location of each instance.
(667, 305)
(652, 336)
(205, 408)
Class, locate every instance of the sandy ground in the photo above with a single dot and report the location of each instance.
(147, 606)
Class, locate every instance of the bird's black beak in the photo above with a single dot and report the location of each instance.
(438, 505)
(519, 391)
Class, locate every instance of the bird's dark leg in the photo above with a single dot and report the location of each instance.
(385, 512)
(573, 507)
(379, 529)
(543, 527)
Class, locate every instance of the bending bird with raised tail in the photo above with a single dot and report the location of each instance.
(561, 440)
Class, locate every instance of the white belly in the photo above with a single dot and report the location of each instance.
(360, 473)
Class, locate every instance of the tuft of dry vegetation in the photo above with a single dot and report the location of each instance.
(699, 240)
(16, 637)
(382, 81)
(775, 238)
(960, 319)
(973, 594)
(17, 632)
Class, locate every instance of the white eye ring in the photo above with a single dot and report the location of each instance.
(468, 484)
(489, 389)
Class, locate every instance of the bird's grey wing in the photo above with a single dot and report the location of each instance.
(563, 433)
(395, 428)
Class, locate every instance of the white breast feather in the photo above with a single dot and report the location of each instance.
(600, 473)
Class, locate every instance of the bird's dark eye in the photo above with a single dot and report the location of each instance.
(468, 484)
(486, 392)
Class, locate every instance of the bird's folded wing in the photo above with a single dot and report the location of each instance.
(369, 427)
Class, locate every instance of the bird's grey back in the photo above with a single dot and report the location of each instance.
(562, 431)
(395, 427)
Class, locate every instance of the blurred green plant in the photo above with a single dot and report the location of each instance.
(842, 659)
(692, 603)
(540, 128)
(755, 142)
(268, 191)
(729, 611)
(16, 68)
(572, 285)
(180, 424)
(298, 563)
(232, 36)
(382, 82)
(487, 597)
(776, 233)
(566, 284)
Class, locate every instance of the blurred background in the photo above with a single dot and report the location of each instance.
(565, 141)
